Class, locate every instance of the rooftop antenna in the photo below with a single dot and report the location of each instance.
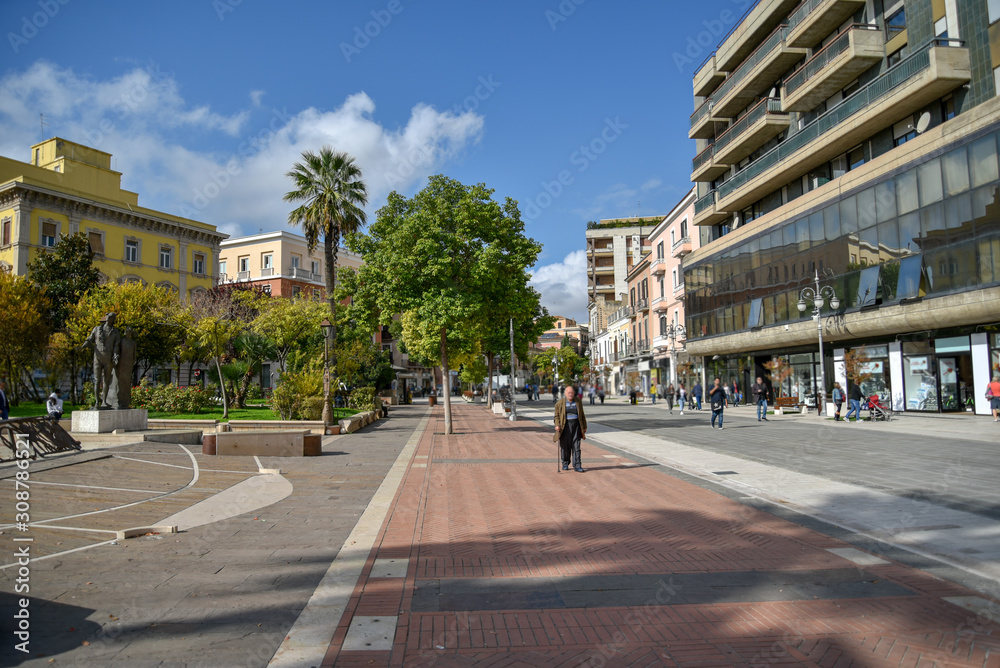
(41, 125)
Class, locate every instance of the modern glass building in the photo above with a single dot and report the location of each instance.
(857, 142)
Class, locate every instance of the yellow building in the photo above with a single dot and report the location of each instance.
(69, 188)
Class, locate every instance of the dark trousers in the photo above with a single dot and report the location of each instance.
(837, 416)
(569, 442)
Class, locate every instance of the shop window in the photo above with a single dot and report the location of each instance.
(96, 240)
(920, 382)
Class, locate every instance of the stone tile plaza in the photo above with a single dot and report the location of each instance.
(406, 335)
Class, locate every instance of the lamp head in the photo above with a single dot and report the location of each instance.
(326, 327)
(834, 303)
(818, 303)
(802, 305)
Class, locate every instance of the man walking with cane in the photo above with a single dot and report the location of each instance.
(571, 428)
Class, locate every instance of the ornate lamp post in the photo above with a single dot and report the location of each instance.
(675, 332)
(327, 411)
(818, 296)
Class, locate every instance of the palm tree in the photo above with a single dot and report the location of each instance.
(331, 192)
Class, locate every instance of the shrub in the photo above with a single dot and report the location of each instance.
(312, 408)
(171, 398)
(294, 391)
(254, 393)
(362, 399)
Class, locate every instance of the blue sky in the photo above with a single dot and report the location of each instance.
(206, 104)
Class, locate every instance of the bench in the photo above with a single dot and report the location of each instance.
(788, 403)
(264, 443)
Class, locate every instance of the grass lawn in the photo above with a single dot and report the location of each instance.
(34, 409)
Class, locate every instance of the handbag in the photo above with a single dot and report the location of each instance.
(989, 393)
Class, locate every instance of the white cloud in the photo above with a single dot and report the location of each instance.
(563, 286)
(224, 169)
(651, 184)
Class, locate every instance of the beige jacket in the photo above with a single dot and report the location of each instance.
(560, 417)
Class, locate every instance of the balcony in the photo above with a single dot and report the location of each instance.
(707, 78)
(266, 272)
(603, 250)
(756, 25)
(681, 247)
(756, 74)
(813, 20)
(243, 276)
(836, 65)
(620, 314)
(658, 266)
(762, 123)
(931, 72)
(703, 121)
(660, 305)
(706, 211)
(641, 305)
(705, 168)
(604, 269)
(303, 274)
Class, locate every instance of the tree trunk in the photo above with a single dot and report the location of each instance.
(222, 388)
(489, 387)
(446, 381)
(331, 239)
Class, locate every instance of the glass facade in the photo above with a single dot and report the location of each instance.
(931, 230)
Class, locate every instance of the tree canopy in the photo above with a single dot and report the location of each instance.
(65, 274)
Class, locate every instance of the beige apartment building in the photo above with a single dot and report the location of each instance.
(614, 245)
(853, 143)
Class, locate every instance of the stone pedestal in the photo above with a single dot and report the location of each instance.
(105, 422)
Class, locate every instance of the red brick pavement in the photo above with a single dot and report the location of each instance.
(523, 519)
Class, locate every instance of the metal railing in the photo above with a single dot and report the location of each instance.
(799, 14)
(861, 99)
(623, 312)
(641, 305)
(818, 62)
(769, 105)
(704, 202)
(702, 158)
(679, 243)
(773, 41)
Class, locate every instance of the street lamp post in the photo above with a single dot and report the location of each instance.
(818, 296)
(674, 332)
(327, 411)
(513, 379)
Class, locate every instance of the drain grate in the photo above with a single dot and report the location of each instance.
(724, 473)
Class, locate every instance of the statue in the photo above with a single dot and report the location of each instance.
(106, 341)
(126, 361)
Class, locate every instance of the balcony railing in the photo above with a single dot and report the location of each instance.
(740, 73)
(623, 312)
(769, 105)
(815, 64)
(679, 246)
(704, 202)
(701, 112)
(266, 271)
(641, 305)
(861, 99)
(243, 276)
(702, 158)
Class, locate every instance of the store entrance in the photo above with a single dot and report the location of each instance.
(955, 374)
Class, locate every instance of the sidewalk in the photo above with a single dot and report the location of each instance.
(488, 556)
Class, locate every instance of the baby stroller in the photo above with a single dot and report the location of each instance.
(879, 408)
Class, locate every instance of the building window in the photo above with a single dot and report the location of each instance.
(660, 280)
(296, 261)
(993, 8)
(267, 261)
(199, 264)
(166, 257)
(673, 239)
(895, 57)
(5, 231)
(48, 234)
(315, 267)
(132, 251)
(673, 273)
(903, 132)
(222, 267)
(855, 158)
(684, 228)
(315, 295)
(267, 289)
(244, 264)
(96, 240)
(659, 250)
(895, 22)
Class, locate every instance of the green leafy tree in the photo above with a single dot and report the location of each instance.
(519, 301)
(440, 259)
(289, 324)
(24, 327)
(65, 274)
(154, 313)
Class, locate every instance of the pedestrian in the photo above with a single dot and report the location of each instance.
(854, 397)
(737, 396)
(652, 391)
(696, 394)
(725, 388)
(600, 394)
(681, 396)
(571, 428)
(4, 402)
(591, 392)
(838, 400)
(671, 393)
(54, 405)
(759, 392)
(992, 393)
(717, 399)
(555, 393)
